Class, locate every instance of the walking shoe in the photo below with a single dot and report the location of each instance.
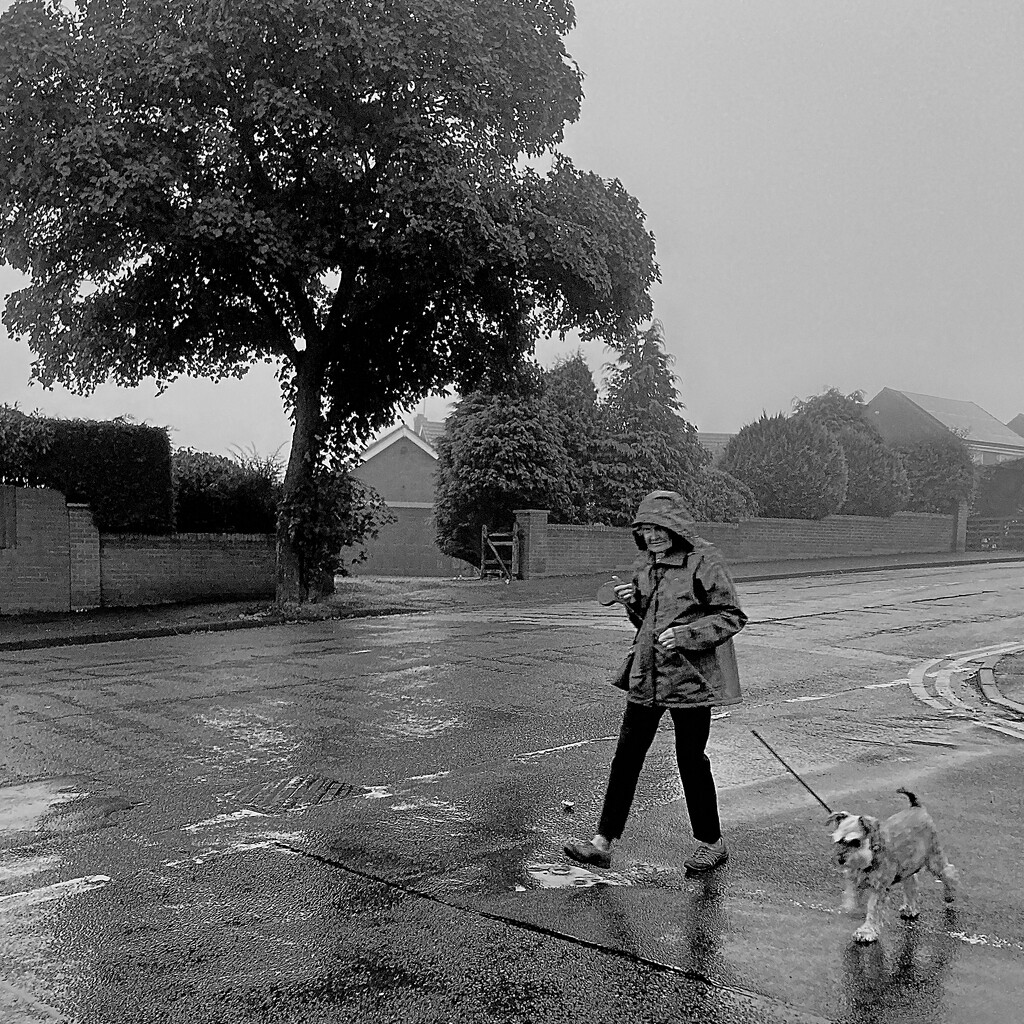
(706, 857)
(588, 853)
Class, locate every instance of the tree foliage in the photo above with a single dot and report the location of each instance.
(645, 443)
(940, 472)
(877, 479)
(193, 187)
(498, 453)
(554, 443)
(794, 467)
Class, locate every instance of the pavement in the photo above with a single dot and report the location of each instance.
(361, 596)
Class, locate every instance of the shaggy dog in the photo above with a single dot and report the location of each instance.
(876, 855)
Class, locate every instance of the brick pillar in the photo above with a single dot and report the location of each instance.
(84, 553)
(959, 540)
(532, 524)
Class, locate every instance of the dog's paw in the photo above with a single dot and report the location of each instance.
(865, 933)
(909, 913)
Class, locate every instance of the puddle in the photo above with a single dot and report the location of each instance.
(23, 807)
(569, 876)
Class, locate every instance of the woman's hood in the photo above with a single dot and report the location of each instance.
(665, 509)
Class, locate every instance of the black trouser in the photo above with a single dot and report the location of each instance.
(636, 734)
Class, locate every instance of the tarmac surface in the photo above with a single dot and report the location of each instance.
(360, 819)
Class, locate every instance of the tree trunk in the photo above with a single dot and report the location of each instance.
(293, 582)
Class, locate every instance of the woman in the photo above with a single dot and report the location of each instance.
(683, 602)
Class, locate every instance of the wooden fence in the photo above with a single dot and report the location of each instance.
(995, 533)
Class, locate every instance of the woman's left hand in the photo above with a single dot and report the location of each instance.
(668, 639)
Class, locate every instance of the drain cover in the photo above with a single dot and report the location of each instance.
(294, 793)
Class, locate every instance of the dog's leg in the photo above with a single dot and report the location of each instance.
(849, 905)
(869, 930)
(910, 910)
(944, 872)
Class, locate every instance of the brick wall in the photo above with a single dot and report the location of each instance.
(140, 570)
(52, 559)
(35, 571)
(84, 557)
(550, 550)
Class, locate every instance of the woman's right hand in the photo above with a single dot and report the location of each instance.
(624, 593)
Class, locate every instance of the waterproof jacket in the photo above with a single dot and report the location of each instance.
(689, 590)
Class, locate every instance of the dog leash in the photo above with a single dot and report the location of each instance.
(790, 770)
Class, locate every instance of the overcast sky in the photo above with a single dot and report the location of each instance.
(836, 189)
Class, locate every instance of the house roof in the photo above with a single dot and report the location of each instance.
(388, 439)
(968, 419)
(429, 430)
(1017, 424)
(715, 443)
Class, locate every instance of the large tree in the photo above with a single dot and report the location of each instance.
(335, 186)
(645, 442)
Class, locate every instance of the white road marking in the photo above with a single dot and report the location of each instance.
(941, 672)
(56, 891)
(565, 746)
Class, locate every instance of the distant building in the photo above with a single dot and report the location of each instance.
(400, 467)
(904, 417)
(714, 443)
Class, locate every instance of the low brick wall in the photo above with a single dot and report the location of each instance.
(35, 570)
(53, 559)
(139, 569)
(552, 550)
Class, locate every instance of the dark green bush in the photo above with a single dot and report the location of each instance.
(498, 453)
(328, 520)
(877, 483)
(25, 438)
(1000, 490)
(715, 496)
(794, 467)
(940, 472)
(121, 470)
(877, 480)
(215, 494)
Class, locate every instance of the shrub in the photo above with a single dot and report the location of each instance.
(24, 441)
(1000, 490)
(794, 467)
(715, 496)
(877, 482)
(328, 520)
(940, 472)
(216, 494)
(121, 470)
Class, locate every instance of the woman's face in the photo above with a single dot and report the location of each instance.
(657, 538)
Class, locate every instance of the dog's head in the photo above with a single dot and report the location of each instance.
(856, 838)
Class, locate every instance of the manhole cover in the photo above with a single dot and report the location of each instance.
(294, 793)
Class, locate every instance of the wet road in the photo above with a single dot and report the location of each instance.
(361, 820)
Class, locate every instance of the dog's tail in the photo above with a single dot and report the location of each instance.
(914, 802)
